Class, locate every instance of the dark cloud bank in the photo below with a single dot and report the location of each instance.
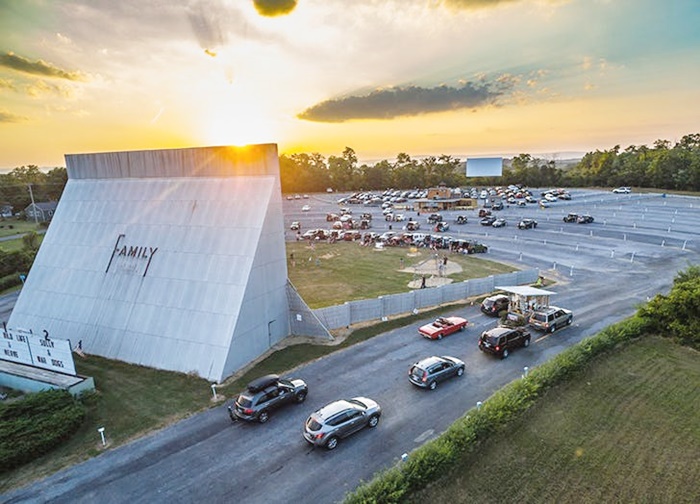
(404, 101)
(38, 67)
(273, 8)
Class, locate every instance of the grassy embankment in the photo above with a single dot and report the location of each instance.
(625, 430)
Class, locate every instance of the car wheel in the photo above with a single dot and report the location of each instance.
(553, 328)
(432, 385)
(568, 321)
(332, 443)
(373, 421)
(505, 354)
(526, 343)
(439, 336)
(263, 417)
(301, 396)
(462, 328)
(460, 371)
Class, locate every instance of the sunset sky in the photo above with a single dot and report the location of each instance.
(424, 77)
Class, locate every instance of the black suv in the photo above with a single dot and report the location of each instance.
(572, 217)
(264, 395)
(500, 341)
(494, 305)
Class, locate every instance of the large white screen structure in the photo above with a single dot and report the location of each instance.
(484, 167)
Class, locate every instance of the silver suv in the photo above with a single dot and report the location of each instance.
(339, 419)
(550, 318)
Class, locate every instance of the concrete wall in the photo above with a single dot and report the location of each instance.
(353, 312)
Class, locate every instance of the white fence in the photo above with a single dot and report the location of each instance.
(352, 312)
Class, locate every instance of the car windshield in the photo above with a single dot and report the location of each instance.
(488, 303)
(417, 371)
(359, 403)
(489, 338)
(313, 425)
(244, 401)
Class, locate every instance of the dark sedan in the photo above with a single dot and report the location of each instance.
(527, 224)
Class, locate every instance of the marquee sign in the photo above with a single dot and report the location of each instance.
(24, 347)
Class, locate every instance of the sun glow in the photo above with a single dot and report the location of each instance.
(234, 125)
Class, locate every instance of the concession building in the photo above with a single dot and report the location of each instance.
(172, 259)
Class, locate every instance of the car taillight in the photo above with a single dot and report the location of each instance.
(498, 348)
(318, 436)
(248, 411)
(425, 377)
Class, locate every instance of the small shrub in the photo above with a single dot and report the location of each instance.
(34, 425)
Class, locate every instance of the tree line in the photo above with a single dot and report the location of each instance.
(664, 165)
(45, 186)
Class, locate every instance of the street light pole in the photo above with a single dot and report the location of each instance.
(31, 195)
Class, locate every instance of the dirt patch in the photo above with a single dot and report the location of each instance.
(435, 269)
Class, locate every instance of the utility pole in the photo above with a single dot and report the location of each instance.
(31, 195)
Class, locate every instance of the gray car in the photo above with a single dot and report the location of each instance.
(430, 371)
(327, 426)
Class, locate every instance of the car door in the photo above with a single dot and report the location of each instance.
(512, 340)
(556, 319)
(443, 371)
(353, 421)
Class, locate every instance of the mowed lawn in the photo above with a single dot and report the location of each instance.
(330, 274)
(626, 430)
(13, 227)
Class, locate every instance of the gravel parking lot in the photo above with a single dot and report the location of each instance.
(604, 270)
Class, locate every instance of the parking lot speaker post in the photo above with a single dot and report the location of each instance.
(213, 390)
(404, 457)
(479, 404)
(101, 430)
(526, 370)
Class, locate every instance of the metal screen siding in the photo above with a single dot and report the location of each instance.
(214, 216)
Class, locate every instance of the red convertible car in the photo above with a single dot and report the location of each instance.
(443, 326)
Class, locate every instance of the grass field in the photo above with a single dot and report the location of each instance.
(18, 227)
(627, 430)
(330, 274)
